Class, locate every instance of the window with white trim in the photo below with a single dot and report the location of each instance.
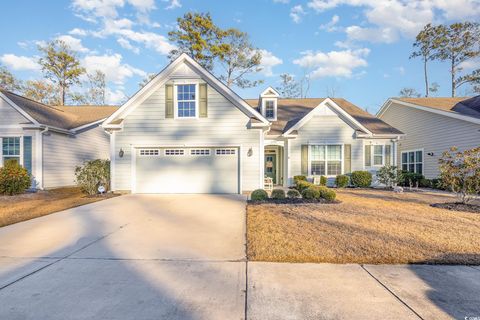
(149, 152)
(225, 152)
(326, 160)
(269, 107)
(412, 161)
(200, 152)
(10, 149)
(378, 155)
(186, 101)
(174, 152)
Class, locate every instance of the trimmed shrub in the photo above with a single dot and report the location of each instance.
(410, 179)
(293, 194)
(425, 183)
(259, 195)
(361, 179)
(323, 181)
(278, 194)
(14, 179)
(437, 184)
(302, 185)
(389, 175)
(299, 178)
(327, 194)
(311, 193)
(341, 181)
(92, 174)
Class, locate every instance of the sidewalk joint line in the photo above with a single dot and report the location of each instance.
(391, 292)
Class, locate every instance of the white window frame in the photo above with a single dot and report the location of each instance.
(415, 162)
(374, 154)
(342, 160)
(264, 106)
(145, 152)
(200, 152)
(21, 148)
(174, 152)
(226, 152)
(175, 100)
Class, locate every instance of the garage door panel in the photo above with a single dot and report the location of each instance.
(202, 172)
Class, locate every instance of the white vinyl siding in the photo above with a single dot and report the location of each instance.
(225, 125)
(431, 132)
(324, 130)
(62, 153)
(9, 115)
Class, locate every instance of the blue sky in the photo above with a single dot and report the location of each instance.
(355, 49)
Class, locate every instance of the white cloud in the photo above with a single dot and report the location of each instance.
(331, 25)
(115, 97)
(173, 4)
(281, 1)
(20, 62)
(115, 71)
(100, 8)
(333, 63)
(124, 43)
(400, 70)
(391, 19)
(296, 13)
(78, 32)
(143, 5)
(74, 43)
(268, 62)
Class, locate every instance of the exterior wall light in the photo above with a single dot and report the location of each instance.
(250, 152)
(431, 154)
(121, 153)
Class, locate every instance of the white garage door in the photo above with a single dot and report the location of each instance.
(187, 170)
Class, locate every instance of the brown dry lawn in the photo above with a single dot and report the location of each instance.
(27, 206)
(369, 226)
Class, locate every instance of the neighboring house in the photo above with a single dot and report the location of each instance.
(432, 126)
(50, 141)
(186, 132)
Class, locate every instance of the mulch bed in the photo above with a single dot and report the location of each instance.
(293, 201)
(458, 206)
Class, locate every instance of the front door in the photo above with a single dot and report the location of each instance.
(271, 167)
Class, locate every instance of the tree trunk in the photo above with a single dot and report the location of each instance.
(425, 72)
(453, 76)
(63, 95)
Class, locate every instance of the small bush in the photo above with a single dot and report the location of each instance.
(410, 179)
(388, 175)
(323, 181)
(278, 194)
(92, 174)
(425, 183)
(341, 181)
(259, 195)
(361, 179)
(311, 193)
(299, 178)
(302, 185)
(327, 194)
(14, 179)
(437, 184)
(293, 194)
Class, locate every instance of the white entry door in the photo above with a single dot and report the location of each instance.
(187, 170)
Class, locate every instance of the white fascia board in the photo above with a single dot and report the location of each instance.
(275, 93)
(428, 109)
(98, 122)
(162, 77)
(330, 103)
(16, 107)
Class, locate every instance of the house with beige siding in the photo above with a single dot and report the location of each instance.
(51, 141)
(187, 132)
(432, 126)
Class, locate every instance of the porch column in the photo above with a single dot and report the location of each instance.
(286, 163)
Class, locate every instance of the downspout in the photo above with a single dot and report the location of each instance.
(40, 156)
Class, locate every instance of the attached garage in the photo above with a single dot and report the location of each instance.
(187, 170)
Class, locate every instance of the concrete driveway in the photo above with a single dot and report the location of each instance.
(183, 257)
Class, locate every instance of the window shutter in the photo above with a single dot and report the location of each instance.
(388, 154)
(368, 155)
(203, 112)
(304, 159)
(27, 154)
(169, 101)
(347, 163)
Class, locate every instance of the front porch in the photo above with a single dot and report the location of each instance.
(274, 163)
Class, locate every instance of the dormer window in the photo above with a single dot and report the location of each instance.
(269, 98)
(270, 108)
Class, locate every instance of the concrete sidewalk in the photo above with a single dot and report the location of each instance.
(183, 257)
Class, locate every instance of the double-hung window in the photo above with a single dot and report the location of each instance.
(10, 149)
(186, 101)
(326, 160)
(378, 155)
(270, 109)
(412, 161)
